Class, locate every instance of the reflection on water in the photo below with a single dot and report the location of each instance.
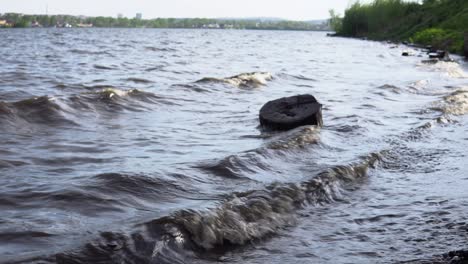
(136, 146)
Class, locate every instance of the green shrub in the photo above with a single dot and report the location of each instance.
(440, 38)
(430, 35)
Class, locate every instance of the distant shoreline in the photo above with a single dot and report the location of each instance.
(84, 28)
(14, 20)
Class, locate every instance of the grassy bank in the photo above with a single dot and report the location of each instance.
(440, 23)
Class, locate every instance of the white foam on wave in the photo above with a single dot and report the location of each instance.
(298, 138)
(452, 69)
(110, 92)
(448, 68)
(252, 79)
(456, 103)
(244, 79)
(419, 85)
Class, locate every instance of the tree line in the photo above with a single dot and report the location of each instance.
(440, 23)
(20, 20)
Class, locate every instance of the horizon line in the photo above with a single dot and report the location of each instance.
(214, 18)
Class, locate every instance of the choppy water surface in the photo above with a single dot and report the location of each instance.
(136, 146)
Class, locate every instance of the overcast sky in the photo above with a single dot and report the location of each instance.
(290, 9)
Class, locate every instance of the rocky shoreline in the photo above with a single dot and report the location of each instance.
(412, 45)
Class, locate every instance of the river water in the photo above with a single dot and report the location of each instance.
(136, 146)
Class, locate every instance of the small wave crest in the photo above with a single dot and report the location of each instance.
(136, 188)
(89, 52)
(42, 110)
(103, 67)
(256, 161)
(298, 138)
(389, 87)
(160, 49)
(138, 80)
(456, 103)
(449, 68)
(253, 79)
(47, 110)
(112, 99)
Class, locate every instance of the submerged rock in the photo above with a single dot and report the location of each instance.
(291, 112)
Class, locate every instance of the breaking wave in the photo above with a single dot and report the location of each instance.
(238, 220)
(40, 110)
(47, 110)
(449, 68)
(253, 79)
(455, 103)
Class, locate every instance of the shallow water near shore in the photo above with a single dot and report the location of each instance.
(143, 146)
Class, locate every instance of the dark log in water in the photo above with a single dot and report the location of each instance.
(290, 112)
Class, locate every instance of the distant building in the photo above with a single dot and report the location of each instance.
(35, 24)
(119, 15)
(139, 16)
(211, 26)
(63, 25)
(4, 23)
(226, 26)
(84, 25)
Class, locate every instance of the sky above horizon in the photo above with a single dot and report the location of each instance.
(288, 9)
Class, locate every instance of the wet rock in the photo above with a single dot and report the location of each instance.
(457, 257)
(290, 112)
(430, 61)
(440, 54)
(405, 53)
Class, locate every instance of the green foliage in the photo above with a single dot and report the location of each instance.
(437, 22)
(336, 22)
(429, 35)
(441, 38)
(21, 23)
(362, 19)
